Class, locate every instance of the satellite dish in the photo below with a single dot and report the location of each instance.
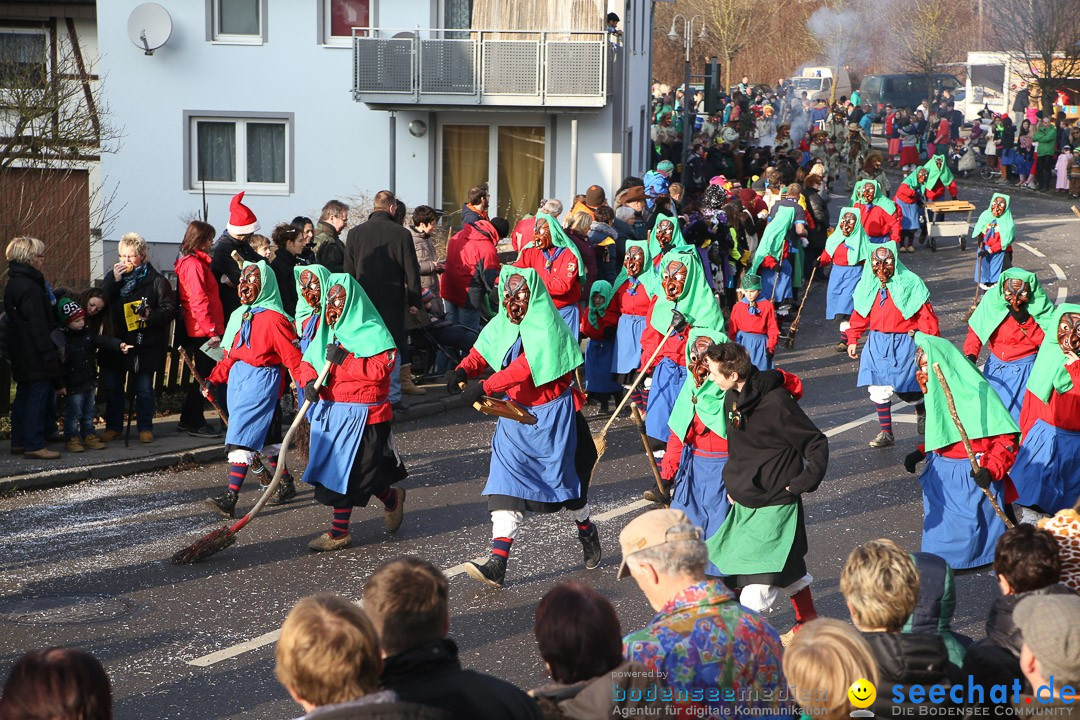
(149, 27)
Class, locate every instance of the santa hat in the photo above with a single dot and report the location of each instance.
(241, 220)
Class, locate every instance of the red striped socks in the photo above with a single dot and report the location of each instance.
(237, 473)
(585, 528)
(501, 546)
(339, 527)
(389, 499)
(884, 416)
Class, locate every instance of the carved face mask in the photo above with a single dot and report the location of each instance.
(311, 289)
(674, 280)
(335, 304)
(1016, 292)
(542, 235)
(847, 224)
(997, 208)
(867, 193)
(635, 261)
(250, 284)
(1069, 333)
(922, 373)
(883, 264)
(516, 296)
(698, 367)
(663, 234)
(939, 161)
(922, 176)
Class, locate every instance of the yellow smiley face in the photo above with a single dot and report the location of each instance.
(862, 693)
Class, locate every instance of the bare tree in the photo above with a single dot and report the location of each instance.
(1043, 39)
(733, 26)
(926, 32)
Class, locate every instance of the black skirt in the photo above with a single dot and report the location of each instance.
(377, 467)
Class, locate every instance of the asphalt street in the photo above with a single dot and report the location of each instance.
(87, 565)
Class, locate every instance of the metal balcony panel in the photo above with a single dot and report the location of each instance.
(448, 67)
(568, 65)
(511, 67)
(384, 65)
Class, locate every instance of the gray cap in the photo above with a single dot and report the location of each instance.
(1050, 627)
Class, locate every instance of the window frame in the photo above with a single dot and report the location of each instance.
(41, 31)
(325, 39)
(213, 12)
(241, 119)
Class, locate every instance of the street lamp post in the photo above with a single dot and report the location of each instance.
(687, 39)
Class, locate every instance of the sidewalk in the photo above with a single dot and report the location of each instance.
(169, 448)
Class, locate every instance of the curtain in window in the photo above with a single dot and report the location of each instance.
(22, 60)
(347, 14)
(464, 163)
(457, 13)
(266, 152)
(521, 171)
(238, 17)
(216, 151)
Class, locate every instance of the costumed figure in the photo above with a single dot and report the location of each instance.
(556, 260)
(847, 250)
(880, 217)
(542, 467)
(959, 523)
(310, 326)
(1045, 472)
(890, 302)
(856, 146)
(599, 325)
(770, 259)
(259, 339)
(632, 303)
(939, 180)
(784, 144)
(753, 323)
(665, 236)
(910, 196)
(352, 456)
(820, 149)
(872, 170)
(995, 231)
(1010, 320)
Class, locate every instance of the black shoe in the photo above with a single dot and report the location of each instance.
(181, 427)
(286, 491)
(225, 503)
(493, 572)
(206, 431)
(590, 544)
(399, 406)
(654, 494)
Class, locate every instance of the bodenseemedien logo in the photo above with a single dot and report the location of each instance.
(862, 694)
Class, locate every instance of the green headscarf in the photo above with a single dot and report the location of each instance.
(360, 329)
(707, 401)
(545, 338)
(1049, 371)
(269, 299)
(907, 290)
(303, 310)
(858, 243)
(978, 406)
(992, 309)
(942, 174)
(1006, 227)
(646, 267)
(772, 240)
(879, 197)
(560, 239)
(697, 303)
(677, 240)
(596, 313)
(912, 181)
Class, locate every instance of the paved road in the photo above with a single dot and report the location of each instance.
(87, 565)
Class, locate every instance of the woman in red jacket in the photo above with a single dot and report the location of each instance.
(204, 320)
(473, 245)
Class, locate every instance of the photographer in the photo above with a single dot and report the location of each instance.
(141, 305)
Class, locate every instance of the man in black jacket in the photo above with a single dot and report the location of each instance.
(380, 255)
(775, 454)
(407, 599)
(329, 250)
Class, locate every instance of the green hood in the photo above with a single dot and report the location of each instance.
(772, 240)
(697, 303)
(596, 313)
(360, 330)
(858, 243)
(978, 406)
(545, 338)
(650, 277)
(912, 181)
(706, 401)
(1049, 371)
(1005, 226)
(560, 239)
(992, 309)
(879, 198)
(269, 299)
(943, 174)
(907, 290)
(303, 310)
(646, 267)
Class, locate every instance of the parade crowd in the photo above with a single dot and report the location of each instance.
(680, 294)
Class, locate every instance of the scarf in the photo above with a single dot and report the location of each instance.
(317, 332)
(559, 239)
(707, 401)
(938, 174)
(1049, 371)
(1006, 228)
(596, 313)
(773, 239)
(908, 291)
(696, 303)
(993, 309)
(858, 243)
(360, 329)
(879, 198)
(240, 321)
(131, 280)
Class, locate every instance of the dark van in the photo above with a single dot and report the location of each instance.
(904, 90)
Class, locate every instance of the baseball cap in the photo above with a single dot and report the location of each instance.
(1050, 627)
(650, 530)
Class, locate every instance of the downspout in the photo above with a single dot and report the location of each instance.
(393, 152)
(573, 158)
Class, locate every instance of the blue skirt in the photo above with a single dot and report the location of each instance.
(1009, 380)
(840, 295)
(959, 524)
(783, 288)
(253, 394)
(699, 492)
(667, 382)
(909, 215)
(536, 462)
(572, 315)
(888, 359)
(991, 267)
(755, 344)
(880, 239)
(1045, 472)
(628, 343)
(599, 355)
(336, 431)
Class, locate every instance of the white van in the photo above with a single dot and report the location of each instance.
(817, 83)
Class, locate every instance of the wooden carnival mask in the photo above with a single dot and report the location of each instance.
(516, 295)
(635, 261)
(922, 175)
(697, 366)
(250, 284)
(311, 289)
(997, 208)
(867, 193)
(1016, 293)
(664, 231)
(883, 263)
(1069, 333)
(335, 303)
(674, 280)
(847, 224)
(542, 235)
(922, 371)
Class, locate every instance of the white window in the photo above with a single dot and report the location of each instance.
(240, 153)
(23, 58)
(238, 21)
(339, 17)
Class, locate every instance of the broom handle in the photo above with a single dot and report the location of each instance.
(202, 383)
(635, 413)
(806, 293)
(633, 385)
(967, 442)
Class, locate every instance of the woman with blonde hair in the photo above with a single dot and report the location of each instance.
(825, 658)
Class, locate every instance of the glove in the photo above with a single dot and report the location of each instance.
(824, 260)
(912, 459)
(984, 253)
(335, 354)
(454, 379)
(982, 477)
(472, 392)
(973, 359)
(804, 242)
(769, 354)
(311, 393)
(678, 321)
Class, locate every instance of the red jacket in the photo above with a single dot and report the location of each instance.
(764, 323)
(938, 191)
(698, 436)
(199, 298)
(886, 318)
(991, 241)
(362, 380)
(1063, 410)
(1009, 341)
(474, 243)
(609, 319)
(522, 234)
(996, 454)
(273, 342)
(631, 304)
(906, 194)
(516, 381)
(561, 279)
(840, 258)
(674, 347)
(879, 223)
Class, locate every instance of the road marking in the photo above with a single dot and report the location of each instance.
(1057, 271)
(1034, 251)
(1048, 221)
(1062, 294)
(231, 652)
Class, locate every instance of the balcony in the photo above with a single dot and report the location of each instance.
(493, 69)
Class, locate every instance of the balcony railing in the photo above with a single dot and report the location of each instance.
(490, 68)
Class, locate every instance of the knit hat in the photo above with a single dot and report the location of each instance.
(750, 281)
(1050, 627)
(427, 296)
(595, 197)
(68, 309)
(666, 166)
(241, 220)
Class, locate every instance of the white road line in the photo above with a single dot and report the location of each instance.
(1048, 221)
(1034, 251)
(231, 652)
(1062, 294)
(1057, 271)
